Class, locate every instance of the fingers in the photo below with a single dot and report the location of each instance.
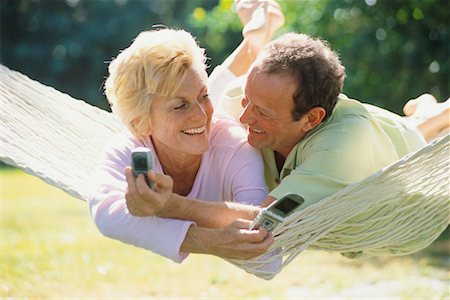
(257, 243)
(130, 180)
(135, 196)
(142, 200)
(410, 107)
(162, 181)
(422, 106)
(259, 239)
(241, 223)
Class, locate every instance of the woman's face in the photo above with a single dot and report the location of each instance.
(183, 122)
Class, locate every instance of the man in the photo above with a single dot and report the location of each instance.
(314, 140)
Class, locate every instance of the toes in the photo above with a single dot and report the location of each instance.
(410, 107)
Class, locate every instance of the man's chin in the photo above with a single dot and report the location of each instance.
(254, 144)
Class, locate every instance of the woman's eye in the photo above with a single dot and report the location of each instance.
(183, 105)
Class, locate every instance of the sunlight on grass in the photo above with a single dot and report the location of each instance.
(50, 248)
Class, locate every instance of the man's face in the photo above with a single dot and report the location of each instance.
(268, 104)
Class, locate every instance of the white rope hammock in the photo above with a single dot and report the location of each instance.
(398, 210)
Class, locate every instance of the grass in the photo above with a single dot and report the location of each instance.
(50, 248)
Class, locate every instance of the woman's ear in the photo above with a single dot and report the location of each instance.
(149, 128)
(313, 118)
(139, 130)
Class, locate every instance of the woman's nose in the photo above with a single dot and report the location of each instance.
(199, 112)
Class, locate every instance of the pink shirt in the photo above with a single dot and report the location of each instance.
(231, 170)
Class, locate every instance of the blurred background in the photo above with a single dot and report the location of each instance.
(392, 50)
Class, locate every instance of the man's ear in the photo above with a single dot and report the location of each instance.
(314, 117)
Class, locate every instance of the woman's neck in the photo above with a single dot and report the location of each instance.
(182, 167)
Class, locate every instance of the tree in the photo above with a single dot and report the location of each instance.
(392, 50)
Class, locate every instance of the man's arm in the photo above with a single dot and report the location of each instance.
(142, 201)
(232, 241)
(207, 213)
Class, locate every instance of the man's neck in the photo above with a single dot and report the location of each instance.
(279, 159)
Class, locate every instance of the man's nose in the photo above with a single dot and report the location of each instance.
(245, 117)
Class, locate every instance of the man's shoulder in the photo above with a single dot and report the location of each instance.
(346, 106)
(349, 125)
(349, 117)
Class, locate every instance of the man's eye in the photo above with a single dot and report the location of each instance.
(183, 105)
(204, 97)
(262, 113)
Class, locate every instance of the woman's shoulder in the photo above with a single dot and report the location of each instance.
(227, 132)
(122, 144)
(229, 142)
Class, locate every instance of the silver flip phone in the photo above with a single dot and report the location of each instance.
(142, 162)
(274, 214)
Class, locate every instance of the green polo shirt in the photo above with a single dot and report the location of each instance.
(356, 141)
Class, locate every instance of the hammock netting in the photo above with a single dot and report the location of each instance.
(398, 210)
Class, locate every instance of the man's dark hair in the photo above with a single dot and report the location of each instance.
(311, 62)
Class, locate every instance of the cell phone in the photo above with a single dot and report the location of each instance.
(274, 214)
(141, 163)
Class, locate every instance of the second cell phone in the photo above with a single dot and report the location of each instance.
(273, 214)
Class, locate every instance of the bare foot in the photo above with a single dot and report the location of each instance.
(261, 18)
(431, 118)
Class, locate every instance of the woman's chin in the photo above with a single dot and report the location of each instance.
(197, 147)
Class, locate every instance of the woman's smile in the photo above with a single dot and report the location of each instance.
(195, 131)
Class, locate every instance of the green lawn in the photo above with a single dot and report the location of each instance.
(50, 248)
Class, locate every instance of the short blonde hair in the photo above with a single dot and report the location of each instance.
(154, 64)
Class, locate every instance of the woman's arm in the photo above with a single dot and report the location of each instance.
(171, 238)
(243, 174)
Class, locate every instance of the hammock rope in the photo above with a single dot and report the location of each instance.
(51, 135)
(398, 210)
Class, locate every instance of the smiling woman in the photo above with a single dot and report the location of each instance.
(158, 87)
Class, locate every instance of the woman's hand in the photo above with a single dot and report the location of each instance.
(141, 200)
(232, 241)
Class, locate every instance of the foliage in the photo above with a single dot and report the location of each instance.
(392, 50)
(67, 44)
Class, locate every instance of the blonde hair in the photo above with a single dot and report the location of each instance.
(154, 64)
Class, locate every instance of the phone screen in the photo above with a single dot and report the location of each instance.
(287, 205)
(140, 163)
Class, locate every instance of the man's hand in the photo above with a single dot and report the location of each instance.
(233, 241)
(142, 200)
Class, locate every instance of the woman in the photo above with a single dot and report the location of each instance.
(158, 89)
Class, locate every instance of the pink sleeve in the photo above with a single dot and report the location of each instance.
(111, 215)
(247, 176)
